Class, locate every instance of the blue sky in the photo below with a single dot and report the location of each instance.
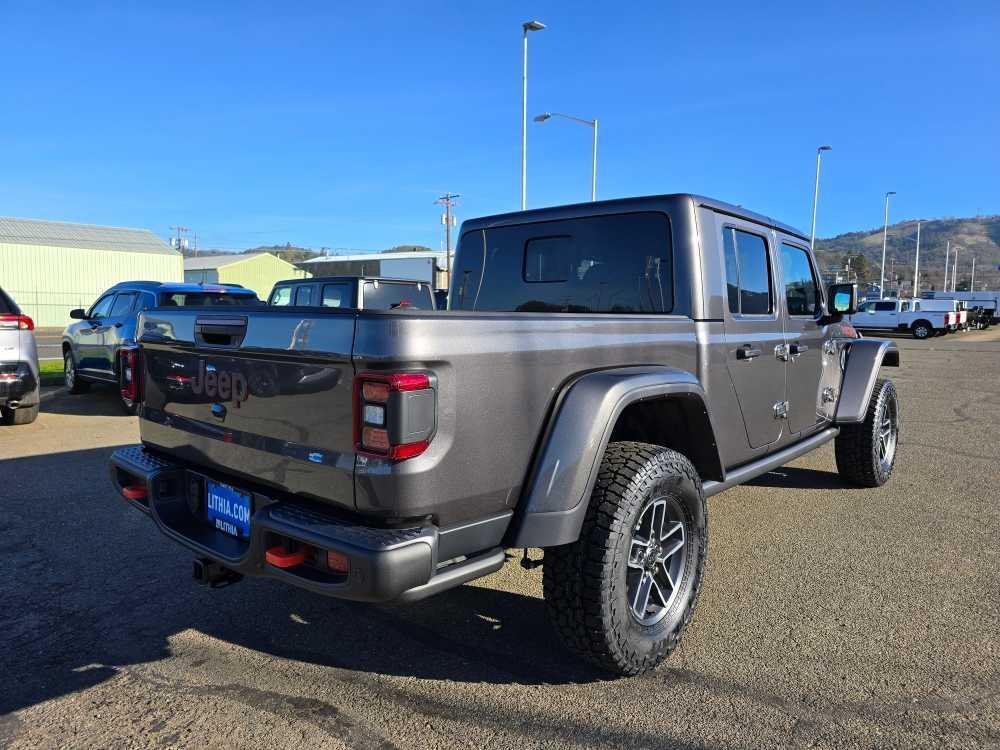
(338, 125)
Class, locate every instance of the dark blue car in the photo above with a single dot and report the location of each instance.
(90, 345)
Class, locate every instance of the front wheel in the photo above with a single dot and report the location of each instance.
(621, 595)
(866, 452)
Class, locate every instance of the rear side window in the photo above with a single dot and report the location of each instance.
(304, 296)
(281, 296)
(904, 307)
(748, 273)
(801, 290)
(885, 306)
(337, 295)
(7, 306)
(620, 263)
(123, 305)
(383, 295)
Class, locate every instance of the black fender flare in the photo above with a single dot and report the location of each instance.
(863, 359)
(557, 491)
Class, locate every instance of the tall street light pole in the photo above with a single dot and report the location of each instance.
(885, 238)
(916, 266)
(972, 281)
(526, 26)
(593, 154)
(954, 272)
(819, 154)
(947, 257)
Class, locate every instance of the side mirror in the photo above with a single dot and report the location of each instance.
(843, 299)
(78, 314)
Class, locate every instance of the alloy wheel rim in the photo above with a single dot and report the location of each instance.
(657, 555)
(68, 374)
(888, 432)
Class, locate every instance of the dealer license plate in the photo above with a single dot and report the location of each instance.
(228, 509)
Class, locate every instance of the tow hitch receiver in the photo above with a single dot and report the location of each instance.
(214, 575)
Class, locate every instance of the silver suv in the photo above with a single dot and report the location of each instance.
(19, 395)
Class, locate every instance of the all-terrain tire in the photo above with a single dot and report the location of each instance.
(23, 415)
(71, 376)
(586, 582)
(857, 447)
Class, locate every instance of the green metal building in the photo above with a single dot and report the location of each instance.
(257, 271)
(51, 267)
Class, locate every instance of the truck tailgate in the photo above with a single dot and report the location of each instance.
(254, 392)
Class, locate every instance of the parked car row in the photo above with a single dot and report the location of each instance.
(921, 317)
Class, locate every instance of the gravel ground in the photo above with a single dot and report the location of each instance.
(830, 617)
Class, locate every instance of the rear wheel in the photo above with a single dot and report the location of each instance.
(866, 452)
(922, 330)
(24, 415)
(71, 378)
(621, 595)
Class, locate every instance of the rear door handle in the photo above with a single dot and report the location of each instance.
(747, 352)
(797, 349)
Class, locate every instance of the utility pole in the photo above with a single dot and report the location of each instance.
(954, 273)
(448, 201)
(972, 283)
(180, 242)
(916, 266)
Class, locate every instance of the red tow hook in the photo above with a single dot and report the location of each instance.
(279, 557)
(134, 491)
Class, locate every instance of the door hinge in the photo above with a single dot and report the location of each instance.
(781, 410)
(829, 395)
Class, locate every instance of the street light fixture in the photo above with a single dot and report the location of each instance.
(593, 159)
(526, 27)
(885, 238)
(812, 236)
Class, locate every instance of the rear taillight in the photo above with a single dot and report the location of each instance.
(20, 322)
(130, 369)
(394, 414)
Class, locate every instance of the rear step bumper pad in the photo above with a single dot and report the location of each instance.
(385, 564)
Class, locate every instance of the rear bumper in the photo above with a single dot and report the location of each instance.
(399, 564)
(18, 384)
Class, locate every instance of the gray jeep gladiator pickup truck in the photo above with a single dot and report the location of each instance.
(601, 369)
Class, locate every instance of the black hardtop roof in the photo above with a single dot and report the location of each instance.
(638, 203)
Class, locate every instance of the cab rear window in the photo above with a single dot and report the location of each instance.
(619, 263)
(386, 295)
(205, 299)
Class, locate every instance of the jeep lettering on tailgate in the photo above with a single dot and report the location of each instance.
(221, 384)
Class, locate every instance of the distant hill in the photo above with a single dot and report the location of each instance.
(978, 236)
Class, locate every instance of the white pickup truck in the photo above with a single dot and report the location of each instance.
(903, 315)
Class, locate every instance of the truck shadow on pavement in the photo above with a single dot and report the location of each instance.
(90, 586)
(793, 477)
(100, 401)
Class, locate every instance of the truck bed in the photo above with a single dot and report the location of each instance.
(266, 396)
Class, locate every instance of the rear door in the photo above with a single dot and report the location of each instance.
(116, 327)
(755, 342)
(803, 307)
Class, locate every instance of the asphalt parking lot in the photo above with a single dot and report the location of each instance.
(830, 617)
